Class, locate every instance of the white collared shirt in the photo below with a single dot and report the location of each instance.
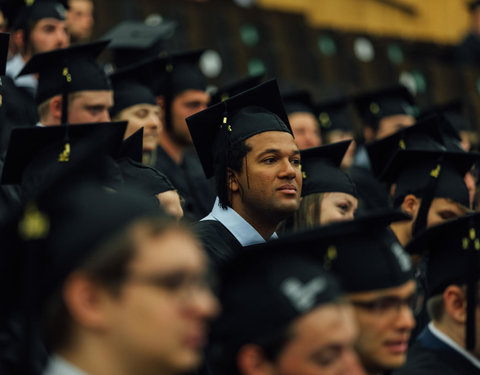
(58, 366)
(237, 225)
(448, 341)
(28, 81)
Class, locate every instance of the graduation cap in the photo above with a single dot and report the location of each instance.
(298, 101)
(334, 114)
(143, 178)
(131, 87)
(35, 10)
(262, 291)
(132, 41)
(424, 135)
(234, 88)
(453, 257)
(364, 253)
(40, 150)
(429, 175)
(132, 147)
(377, 104)
(453, 112)
(242, 116)
(321, 170)
(67, 70)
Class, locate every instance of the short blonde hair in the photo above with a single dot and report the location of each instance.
(43, 108)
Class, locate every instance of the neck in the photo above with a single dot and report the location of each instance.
(264, 226)
(454, 332)
(85, 354)
(403, 232)
(173, 149)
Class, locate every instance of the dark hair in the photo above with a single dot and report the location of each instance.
(271, 346)
(234, 161)
(106, 266)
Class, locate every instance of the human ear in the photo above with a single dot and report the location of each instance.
(455, 304)
(410, 205)
(251, 361)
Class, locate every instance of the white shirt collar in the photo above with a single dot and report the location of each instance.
(15, 66)
(237, 225)
(447, 340)
(59, 366)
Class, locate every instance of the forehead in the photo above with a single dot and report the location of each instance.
(282, 141)
(143, 106)
(446, 203)
(402, 291)
(92, 96)
(49, 22)
(172, 249)
(191, 95)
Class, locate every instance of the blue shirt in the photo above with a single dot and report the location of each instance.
(237, 225)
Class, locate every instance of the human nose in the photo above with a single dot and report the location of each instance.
(104, 116)
(288, 170)
(204, 304)
(405, 319)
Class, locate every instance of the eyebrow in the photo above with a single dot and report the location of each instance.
(276, 151)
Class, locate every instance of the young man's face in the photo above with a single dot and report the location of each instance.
(270, 183)
(305, 130)
(159, 319)
(385, 322)
(321, 344)
(146, 116)
(90, 106)
(184, 105)
(80, 19)
(48, 34)
(443, 209)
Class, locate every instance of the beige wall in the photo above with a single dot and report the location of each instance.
(444, 21)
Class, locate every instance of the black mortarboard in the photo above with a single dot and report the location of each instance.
(453, 112)
(44, 147)
(35, 10)
(334, 114)
(133, 41)
(321, 170)
(130, 87)
(132, 147)
(181, 72)
(68, 70)
(374, 105)
(143, 178)
(298, 101)
(4, 41)
(424, 135)
(80, 220)
(363, 253)
(263, 290)
(216, 128)
(453, 257)
(438, 173)
(234, 88)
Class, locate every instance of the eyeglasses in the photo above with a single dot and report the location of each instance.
(179, 284)
(392, 305)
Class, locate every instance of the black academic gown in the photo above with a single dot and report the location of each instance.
(219, 243)
(190, 181)
(20, 110)
(431, 356)
(468, 52)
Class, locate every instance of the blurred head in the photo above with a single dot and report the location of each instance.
(317, 343)
(305, 130)
(145, 116)
(80, 20)
(143, 295)
(83, 107)
(385, 320)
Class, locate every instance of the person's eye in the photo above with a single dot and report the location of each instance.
(326, 359)
(295, 162)
(343, 207)
(95, 110)
(446, 215)
(269, 160)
